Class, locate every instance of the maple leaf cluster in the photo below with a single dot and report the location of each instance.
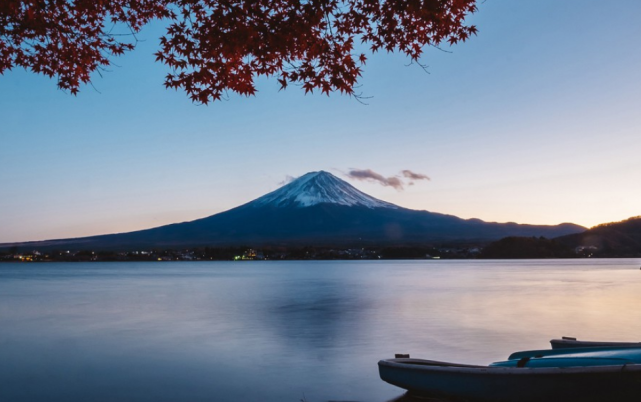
(69, 39)
(216, 46)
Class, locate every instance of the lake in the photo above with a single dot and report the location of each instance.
(287, 331)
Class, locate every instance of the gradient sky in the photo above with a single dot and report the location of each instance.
(535, 120)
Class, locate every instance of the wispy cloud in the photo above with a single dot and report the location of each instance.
(414, 176)
(368, 174)
(392, 181)
(288, 179)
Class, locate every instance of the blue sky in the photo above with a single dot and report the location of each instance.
(535, 120)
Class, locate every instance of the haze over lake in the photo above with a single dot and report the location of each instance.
(283, 331)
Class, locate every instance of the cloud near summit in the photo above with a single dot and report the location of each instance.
(392, 181)
(414, 176)
(288, 179)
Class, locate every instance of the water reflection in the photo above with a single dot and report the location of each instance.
(406, 397)
(317, 314)
(286, 331)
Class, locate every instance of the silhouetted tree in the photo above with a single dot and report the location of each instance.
(526, 247)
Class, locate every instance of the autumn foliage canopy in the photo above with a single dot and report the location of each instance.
(216, 46)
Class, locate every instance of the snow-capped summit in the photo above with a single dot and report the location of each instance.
(317, 188)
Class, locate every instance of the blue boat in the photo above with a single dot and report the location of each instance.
(586, 374)
(568, 342)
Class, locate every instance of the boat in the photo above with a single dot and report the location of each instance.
(569, 342)
(585, 374)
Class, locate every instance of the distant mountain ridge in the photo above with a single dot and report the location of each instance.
(316, 209)
(615, 239)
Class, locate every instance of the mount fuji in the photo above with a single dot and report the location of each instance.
(317, 209)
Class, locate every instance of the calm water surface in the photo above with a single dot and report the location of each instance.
(286, 331)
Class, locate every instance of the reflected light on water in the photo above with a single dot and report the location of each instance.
(286, 331)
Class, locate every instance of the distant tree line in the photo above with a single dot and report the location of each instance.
(526, 247)
(573, 246)
(240, 253)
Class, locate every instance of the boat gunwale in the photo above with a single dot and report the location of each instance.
(551, 353)
(575, 343)
(446, 367)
